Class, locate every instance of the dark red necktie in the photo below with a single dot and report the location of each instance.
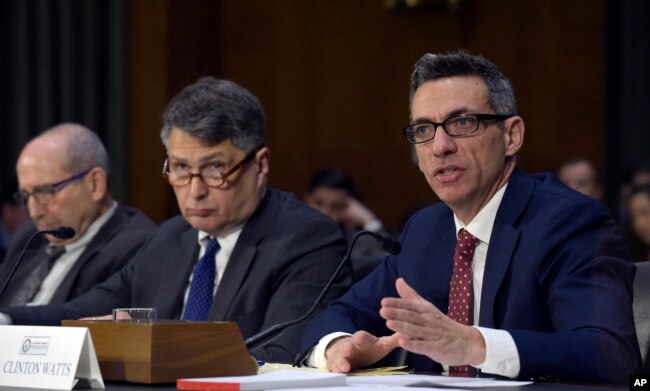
(461, 294)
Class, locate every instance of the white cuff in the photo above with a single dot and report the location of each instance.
(501, 355)
(317, 357)
(4, 319)
(374, 226)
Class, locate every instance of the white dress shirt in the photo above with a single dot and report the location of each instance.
(502, 357)
(66, 261)
(227, 243)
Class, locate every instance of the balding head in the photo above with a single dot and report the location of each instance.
(66, 167)
(80, 147)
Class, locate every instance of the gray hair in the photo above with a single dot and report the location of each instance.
(84, 148)
(501, 96)
(215, 110)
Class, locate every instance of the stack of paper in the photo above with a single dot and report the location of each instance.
(284, 378)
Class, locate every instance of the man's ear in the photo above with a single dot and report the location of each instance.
(96, 182)
(513, 135)
(263, 161)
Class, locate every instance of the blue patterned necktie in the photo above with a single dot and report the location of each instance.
(199, 300)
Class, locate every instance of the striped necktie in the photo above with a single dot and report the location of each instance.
(33, 282)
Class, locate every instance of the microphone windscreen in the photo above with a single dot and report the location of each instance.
(386, 243)
(390, 245)
(62, 232)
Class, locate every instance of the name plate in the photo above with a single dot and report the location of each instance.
(54, 358)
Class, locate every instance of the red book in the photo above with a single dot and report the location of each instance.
(284, 378)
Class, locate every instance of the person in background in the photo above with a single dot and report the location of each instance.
(641, 174)
(632, 179)
(12, 216)
(333, 193)
(63, 181)
(240, 251)
(639, 209)
(582, 176)
(510, 274)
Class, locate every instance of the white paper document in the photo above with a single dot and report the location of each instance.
(287, 379)
(432, 381)
(284, 378)
(413, 383)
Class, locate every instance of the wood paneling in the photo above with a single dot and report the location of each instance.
(147, 97)
(332, 76)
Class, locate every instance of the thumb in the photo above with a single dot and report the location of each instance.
(391, 341)
(406, 292)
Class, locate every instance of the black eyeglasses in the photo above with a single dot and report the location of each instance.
(45, 193)
(461, 126)
(179, 174)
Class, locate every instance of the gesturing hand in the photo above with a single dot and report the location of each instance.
(421, 328)
(358, 350)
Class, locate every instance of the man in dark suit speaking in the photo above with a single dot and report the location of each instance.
(63, 180)
(241, 251)
(511, 274)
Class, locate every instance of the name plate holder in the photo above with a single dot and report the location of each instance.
(162, 351)
(52, 358)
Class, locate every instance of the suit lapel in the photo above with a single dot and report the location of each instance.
(33, 257)
(177, 268)
(103, 236)
(443, 246)
(242, 257)
(233, 277)
(503, 241)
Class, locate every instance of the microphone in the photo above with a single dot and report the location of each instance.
(389, 244)
(386, 243)
(61, 232)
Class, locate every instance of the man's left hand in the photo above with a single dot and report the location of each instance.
(423, 329)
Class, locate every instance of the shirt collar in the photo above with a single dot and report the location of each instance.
(92, 230)
(481, 225)
(227, 237)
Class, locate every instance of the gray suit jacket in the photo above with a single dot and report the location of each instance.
(284, 256)
(117, 241)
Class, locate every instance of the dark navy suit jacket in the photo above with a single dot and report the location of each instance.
(556, 278)
(283, 258)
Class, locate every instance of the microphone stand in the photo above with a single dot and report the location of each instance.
(20, 258)
(59, 232)
(263, 337)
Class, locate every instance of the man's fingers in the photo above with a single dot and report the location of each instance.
(392, 313)
(346, 350)
(391, 341)
(338, 353)
(413, 331)
(103, 317)
(362, 339)
(425, 314)
(339, 366)
(406, 292)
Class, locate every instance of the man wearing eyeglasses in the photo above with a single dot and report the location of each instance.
(241, 251)
(63, 180)
(511, 274)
